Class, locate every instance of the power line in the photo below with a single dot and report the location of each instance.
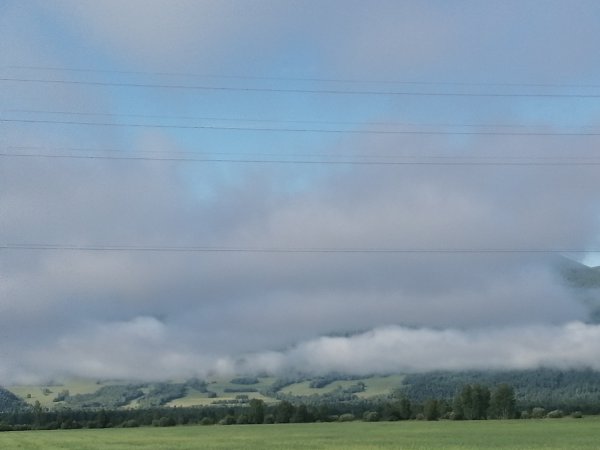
(256, 120)
(532, 162)
(300, 91)
(301, 79)
(218, 249)
(303, 130)
(321, 155)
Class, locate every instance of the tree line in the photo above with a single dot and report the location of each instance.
(470, 402)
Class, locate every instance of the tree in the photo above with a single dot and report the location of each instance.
(284, 412)
(504, 402)
(103, 419)
(463, 403)
(481, 397)
(472, 403)
(38, 413)
(61, 396)
(257, 411)
(301, 415)
(400, 409)
(404, 408)
(431, 410)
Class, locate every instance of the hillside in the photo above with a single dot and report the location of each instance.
(584, 282)
(578, 275)
(569, 389)
(81, 394)
(550, 388)
(9, 401)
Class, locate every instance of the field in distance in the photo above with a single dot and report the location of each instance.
(120, 394)
(569, 390)
(547, 434)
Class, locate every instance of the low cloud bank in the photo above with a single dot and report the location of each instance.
(399, 349)
(142, 349)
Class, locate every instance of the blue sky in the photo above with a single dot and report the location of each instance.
(206, 310)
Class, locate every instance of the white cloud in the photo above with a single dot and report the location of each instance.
(397, 349)
(131, 314)
(141, 349)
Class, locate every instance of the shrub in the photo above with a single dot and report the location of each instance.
(576, 414)
(371, 416)
(538, 413)
(53, 425)
(346, 417)
(207, 421)
(130, 424)
(555, 414)
(70, 425)
(242, 419)
(227, 420)
(165, 422)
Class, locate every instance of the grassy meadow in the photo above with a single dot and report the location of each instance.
(222, 390)
(544, 434)
(374, 386)
(46, 393)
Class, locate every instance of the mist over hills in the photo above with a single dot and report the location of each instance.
(584, 282)
(549, 387)
(221, 197)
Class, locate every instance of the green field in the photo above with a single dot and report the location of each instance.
(374, 386)
(31, 393)
(220, 388)
(545, 434)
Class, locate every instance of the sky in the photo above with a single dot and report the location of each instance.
(226, 187)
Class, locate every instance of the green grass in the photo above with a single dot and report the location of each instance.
(581, 434)
(375, 386)
(195, 398)
(74, 386)
(31, 393)
(381, 385)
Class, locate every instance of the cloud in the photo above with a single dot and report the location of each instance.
(177, 34)
(170, 314)
(142, 348)
(400, 350)
(514, 39)
(128, 314)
